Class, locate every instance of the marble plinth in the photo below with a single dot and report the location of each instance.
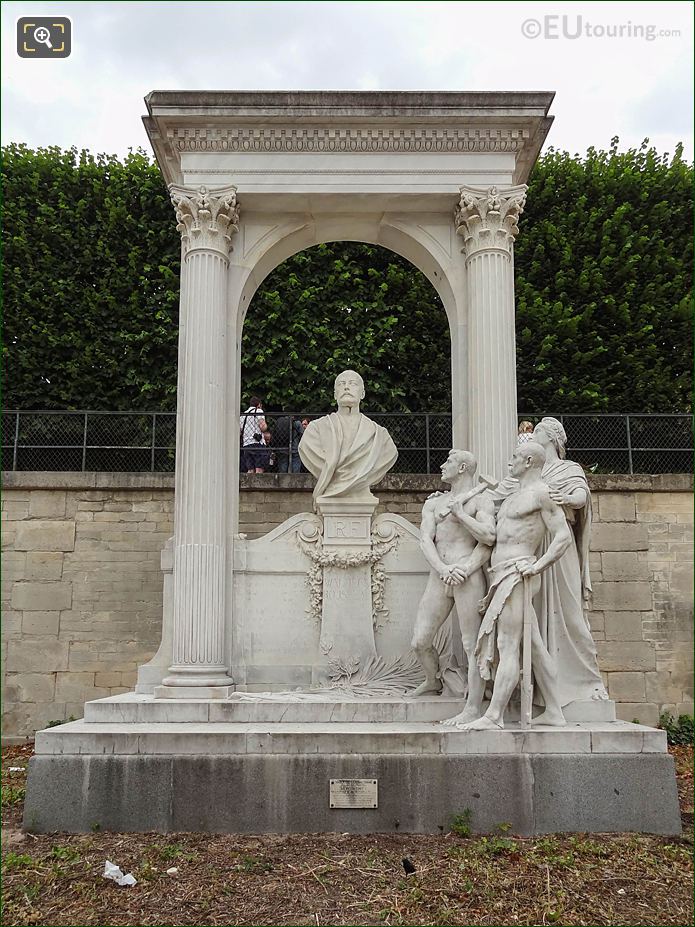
(133, 707)
(137, 764)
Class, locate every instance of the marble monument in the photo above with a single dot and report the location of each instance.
(327, 601)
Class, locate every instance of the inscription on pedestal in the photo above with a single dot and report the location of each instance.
(346, 529)
(353, 793)
(341, 587)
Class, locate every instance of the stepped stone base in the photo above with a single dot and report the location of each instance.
(136, 763)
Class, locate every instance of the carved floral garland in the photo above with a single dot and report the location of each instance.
(320, 558)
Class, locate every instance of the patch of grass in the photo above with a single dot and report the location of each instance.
(585, 846)
(31, 891)
(12, 860)
(461, 823)
(65, 854)
(12, 795)
(170, 851)
(496, 846)
(255, 865)
(59, 721)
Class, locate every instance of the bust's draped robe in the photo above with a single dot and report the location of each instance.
(344, 471)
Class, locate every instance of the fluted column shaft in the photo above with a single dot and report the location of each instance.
(206, 220)
(487, 220)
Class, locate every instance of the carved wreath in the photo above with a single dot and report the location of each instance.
(313, 547)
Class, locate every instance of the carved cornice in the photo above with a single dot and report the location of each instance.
(343, 139)
(488, 218)
(206, 219)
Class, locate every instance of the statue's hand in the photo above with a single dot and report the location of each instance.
(453, 575)
(560, 497)
(433, 495)
(528, 569)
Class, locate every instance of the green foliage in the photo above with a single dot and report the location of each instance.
(347, 305)
(12, 794)
(603, 282)
(12, 860)
(91, 282)
(461, 823)
(496, 846)
(58, 721)
(678, 733)
(254, 864)
(65, 854)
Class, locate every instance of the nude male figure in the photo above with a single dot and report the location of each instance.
(456, 537)
(522, 520)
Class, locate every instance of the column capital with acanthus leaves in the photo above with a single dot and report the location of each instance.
(207, 219)
(487, 218)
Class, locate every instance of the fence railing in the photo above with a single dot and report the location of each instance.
(145, 441)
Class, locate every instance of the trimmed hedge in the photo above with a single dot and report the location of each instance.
(603, 277)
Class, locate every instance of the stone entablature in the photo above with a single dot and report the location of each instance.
(343, 123)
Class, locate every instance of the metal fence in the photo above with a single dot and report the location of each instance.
(611, 443)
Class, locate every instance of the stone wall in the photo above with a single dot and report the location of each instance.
(82, 587)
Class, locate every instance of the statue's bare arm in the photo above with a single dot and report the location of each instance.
(428, 528)
(482, 524)
(476, 560)
(559, 531)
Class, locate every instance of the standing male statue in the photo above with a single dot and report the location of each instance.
(346, 451)
(522, 522)
(456, 537)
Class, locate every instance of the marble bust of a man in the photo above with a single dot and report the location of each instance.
(346, 451)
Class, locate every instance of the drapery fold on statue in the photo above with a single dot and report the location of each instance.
(565, 594)
(505, 576)
(342, 471)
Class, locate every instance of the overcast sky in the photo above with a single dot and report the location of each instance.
(630, 86)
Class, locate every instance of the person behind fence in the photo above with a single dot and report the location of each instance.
(525, 432)
(268, 459)
(286, 437)
(252, 424)
(524, 518)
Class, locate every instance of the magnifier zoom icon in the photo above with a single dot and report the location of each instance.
(43, 36)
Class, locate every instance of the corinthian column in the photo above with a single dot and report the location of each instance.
(487, 220)
(206, 219)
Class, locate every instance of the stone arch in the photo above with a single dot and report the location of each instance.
(401, 243)
(399, 240)
(436, 177)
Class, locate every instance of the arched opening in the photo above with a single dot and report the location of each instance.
(348, 304)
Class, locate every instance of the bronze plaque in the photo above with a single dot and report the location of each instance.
(353, 793)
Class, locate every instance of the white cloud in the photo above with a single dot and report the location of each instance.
(629, 87)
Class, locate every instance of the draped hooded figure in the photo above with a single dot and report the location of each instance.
(346, 451)
(565, 594)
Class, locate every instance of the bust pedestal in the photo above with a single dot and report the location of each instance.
(347, 626)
